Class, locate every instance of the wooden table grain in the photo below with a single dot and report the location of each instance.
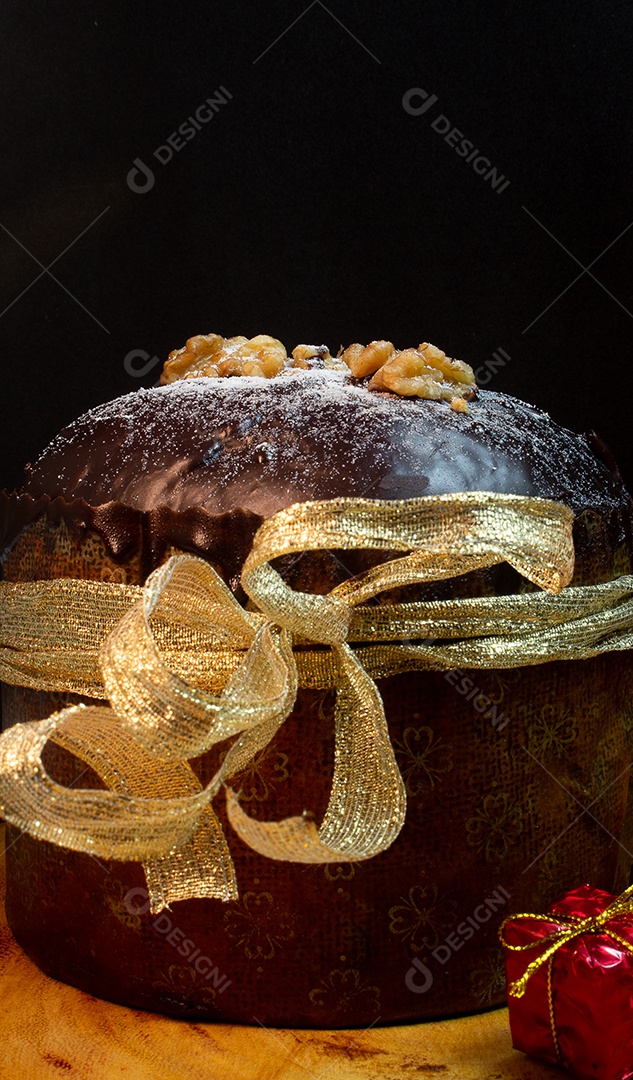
(49, 1030)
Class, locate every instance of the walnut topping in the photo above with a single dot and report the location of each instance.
(215, 356)
(363, 360)
(315, 356)
(426, 372)
(452, 370)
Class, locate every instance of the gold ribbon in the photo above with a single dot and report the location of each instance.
(185, 666)
(568, 928)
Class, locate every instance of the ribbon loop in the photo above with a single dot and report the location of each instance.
(324, 619)
(164, 712)
(484, 528)
(103, 823)
(366, 779)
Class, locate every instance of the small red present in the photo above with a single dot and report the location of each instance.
(570, 983)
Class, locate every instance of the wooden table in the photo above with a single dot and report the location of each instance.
(49, 1030)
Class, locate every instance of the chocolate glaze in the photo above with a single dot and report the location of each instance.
(202, 461)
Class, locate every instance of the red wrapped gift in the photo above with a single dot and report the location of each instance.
(570, 983)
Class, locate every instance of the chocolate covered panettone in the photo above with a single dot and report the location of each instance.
(498, 763)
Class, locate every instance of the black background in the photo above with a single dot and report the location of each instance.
(313, 207)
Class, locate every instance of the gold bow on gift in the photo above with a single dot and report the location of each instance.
(568, 927)
(184, 666)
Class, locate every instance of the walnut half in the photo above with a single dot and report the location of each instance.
(363, 360)
(426, 372)
(215, 357)
(315, 356)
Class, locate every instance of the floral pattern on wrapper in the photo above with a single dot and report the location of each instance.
(258, 780)
(422, 918)
(423, 758)
(495, 827)
(258, 925)
(182, 980)
(552, 731)
(488, 979)
(339, 871)
(342, 988)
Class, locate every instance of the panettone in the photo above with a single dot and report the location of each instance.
(496, 795)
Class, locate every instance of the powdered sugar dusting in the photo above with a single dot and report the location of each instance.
(260, 444)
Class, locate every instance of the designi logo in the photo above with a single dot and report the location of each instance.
(141, 178)
(416, 101)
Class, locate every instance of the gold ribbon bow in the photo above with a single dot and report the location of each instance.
(185, 666)
(568, 927)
